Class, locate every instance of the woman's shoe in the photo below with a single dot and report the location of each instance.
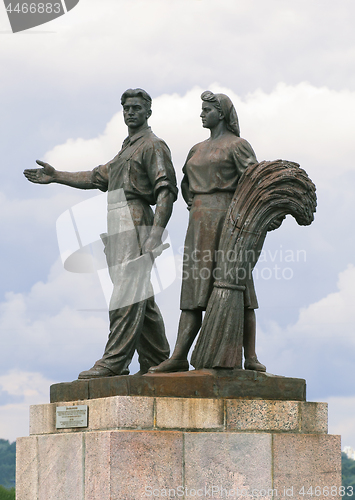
(254, 364)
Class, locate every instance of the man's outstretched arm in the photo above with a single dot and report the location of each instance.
(48, 174)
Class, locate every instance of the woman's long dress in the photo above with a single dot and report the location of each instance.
(212, 171)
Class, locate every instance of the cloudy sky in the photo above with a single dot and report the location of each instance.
(288, 67)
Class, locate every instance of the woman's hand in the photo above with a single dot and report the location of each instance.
(276, 223)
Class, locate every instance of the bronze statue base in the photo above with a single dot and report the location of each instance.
(233, 384)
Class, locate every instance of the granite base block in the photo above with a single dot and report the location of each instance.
(141, 447)
(227, 415)
(305, 462)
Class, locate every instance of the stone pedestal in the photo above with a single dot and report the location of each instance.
(138, 447)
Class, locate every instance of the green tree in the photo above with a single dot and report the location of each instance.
(7, 463)
(7, 494)
(348, 474)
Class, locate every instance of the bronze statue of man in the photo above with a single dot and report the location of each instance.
(139, 176)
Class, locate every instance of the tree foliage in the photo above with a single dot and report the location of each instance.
(348, 473)
(7, 464)
(6, 494)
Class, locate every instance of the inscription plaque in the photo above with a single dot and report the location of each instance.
(68, 417)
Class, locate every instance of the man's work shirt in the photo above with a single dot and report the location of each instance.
(141, 169)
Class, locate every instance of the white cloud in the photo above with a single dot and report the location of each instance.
(310, 125)
(292, 122)
(180, 43)
(335, 311)
(80, 154)
(30, 388)
(24, 215)
(28, 233)
(320, 346)
(342, 419)
(54, 328)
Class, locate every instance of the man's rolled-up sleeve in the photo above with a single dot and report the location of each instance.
(99, 177)
(160, 168)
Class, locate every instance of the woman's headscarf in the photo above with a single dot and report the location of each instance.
(226, 107)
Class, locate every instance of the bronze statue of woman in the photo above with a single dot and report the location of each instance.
(211, 174)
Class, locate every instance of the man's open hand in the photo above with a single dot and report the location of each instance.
(43, 175)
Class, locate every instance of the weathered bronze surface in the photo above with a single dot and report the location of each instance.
(211, 175)
(234, 384)
(266, 193)
(139, 176)
(233, 202)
